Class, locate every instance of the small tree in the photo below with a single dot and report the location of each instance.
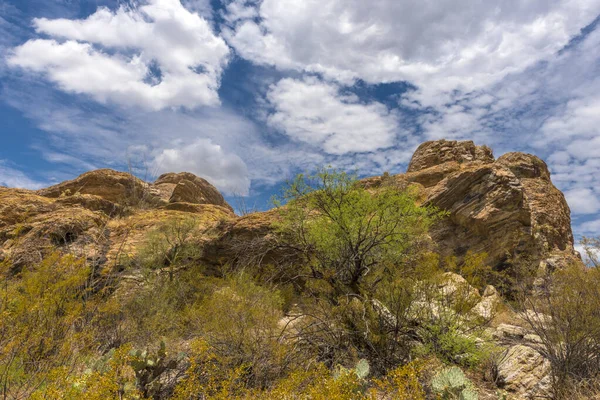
(357, 247)
(349, 236)
(565, 314)
(169, 244)
(591, 249)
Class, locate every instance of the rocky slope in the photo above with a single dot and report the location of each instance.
(101, 215)
(504, 207)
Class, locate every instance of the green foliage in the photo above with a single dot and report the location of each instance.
(142, 314)
(240, 321)
(402, 383)
(475, 270)
(452, 384)
(349, 236)
(169, 245)
(43, 314)
(361, 254)
(565, 316)
(454, 346)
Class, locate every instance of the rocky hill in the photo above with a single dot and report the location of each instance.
(501, 207)
(505, 208)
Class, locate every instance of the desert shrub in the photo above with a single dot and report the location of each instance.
(144, 309)
(565, 314)
(475, 270)
(349, 236)
(210, 376)
(452, 346)
(108, 377)
(402, 383)
(353, 247)
(446, 326)
(45, 314)
(240, 321)
(168, 245)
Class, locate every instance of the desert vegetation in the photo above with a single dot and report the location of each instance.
(353, 302)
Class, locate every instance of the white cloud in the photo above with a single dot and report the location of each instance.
(12, 177)
(224, 170)
(157, 56)
(439, 45)
(317, 113)
(582, 201)
(590, 228)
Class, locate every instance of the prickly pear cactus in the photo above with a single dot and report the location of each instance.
(452, 384)
(362, 369)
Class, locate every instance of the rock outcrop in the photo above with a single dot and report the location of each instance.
(110, 185)
(101, 215)
(501, 207)
(185, 187)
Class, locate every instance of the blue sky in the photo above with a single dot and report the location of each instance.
(247, 93)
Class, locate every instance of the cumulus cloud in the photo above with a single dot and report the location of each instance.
(224, 170)
(590, 227)
(447, 44)
(582, 201)
(158, 55)
(317, 113)
(12, 177)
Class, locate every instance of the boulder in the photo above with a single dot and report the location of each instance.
(185, 187)
(490, 300)
(501, 207)
(509, 332)
(524, 372)
(114, 186)
(434, 153)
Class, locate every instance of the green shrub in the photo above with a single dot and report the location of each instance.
(240, 321)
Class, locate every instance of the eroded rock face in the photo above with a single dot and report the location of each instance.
(101, 215)
(499, 207)
(185, 187)
(434, 153)
(114, 186)
(524, 372)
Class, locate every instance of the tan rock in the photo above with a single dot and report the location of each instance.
(126, 235)
(454, 285)
(100, 215)
(188, 188)
(497, 207)
(114, 186)
(438, 152)
(507, 331)
(487, 307)
(524, 372)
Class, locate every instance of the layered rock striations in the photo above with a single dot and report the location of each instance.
(503, 207)
(101, 215)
